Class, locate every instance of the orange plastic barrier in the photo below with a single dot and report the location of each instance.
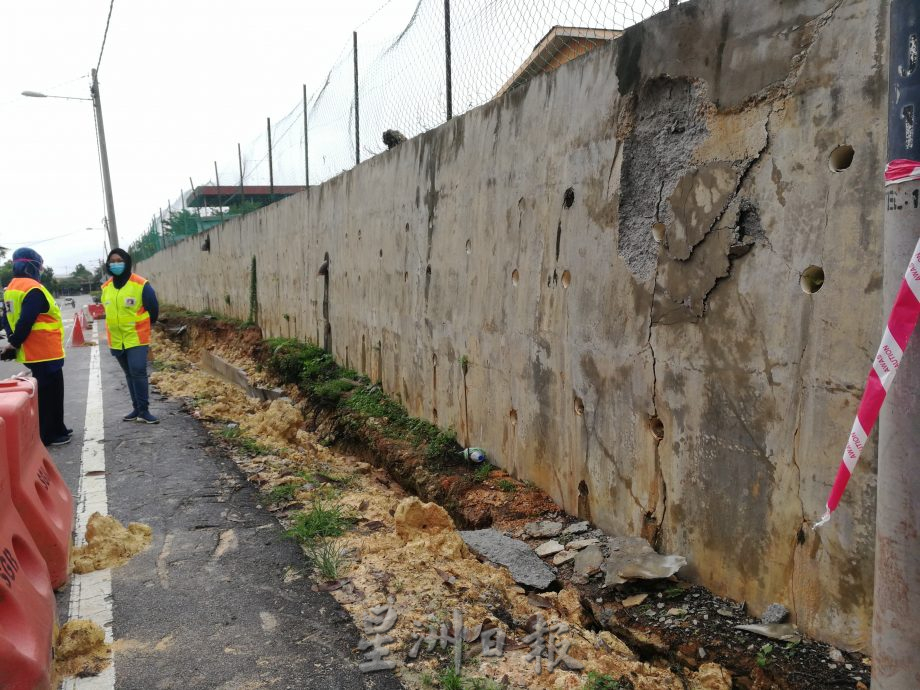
(39, 493)
(27, 606)
(97, 311)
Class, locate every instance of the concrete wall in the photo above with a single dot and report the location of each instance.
(616, 248)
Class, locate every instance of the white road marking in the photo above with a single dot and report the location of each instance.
(91, 594)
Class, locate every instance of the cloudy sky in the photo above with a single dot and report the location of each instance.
(181, 84)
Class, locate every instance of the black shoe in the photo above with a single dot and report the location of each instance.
(68, 432)
(147, 418)
(59, 441)
(130, 417)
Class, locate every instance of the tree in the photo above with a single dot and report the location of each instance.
(81, 274)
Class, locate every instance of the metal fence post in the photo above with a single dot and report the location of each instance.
(239, 156)
(271, 168)
(896, 605)
(220, 208)
(306, 140)
(447, 56)
(357, 109)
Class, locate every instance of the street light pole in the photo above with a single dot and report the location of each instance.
(110, 225)
(104, 161)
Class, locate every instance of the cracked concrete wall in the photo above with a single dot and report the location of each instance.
(616, 248)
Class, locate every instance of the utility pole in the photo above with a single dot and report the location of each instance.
(896, 606)
(104, 161)
(449, 86)
(357, 105)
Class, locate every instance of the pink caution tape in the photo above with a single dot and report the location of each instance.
(901, 170)
(901, 324)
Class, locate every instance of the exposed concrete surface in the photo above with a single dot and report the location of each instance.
(524, 565)
(615, 249)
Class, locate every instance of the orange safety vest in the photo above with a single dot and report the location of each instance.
(45, 341)
(126, 320)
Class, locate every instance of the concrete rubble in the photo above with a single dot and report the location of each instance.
(543, 529)
(524, 565)
(632, 558)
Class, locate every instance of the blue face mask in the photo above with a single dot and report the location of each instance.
(117, 269)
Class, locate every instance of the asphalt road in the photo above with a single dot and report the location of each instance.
(221, 599)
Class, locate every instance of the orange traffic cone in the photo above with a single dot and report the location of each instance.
(76, 335)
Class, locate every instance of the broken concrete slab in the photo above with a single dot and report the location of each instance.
(548, 548)
(775, 631)
(223, 369)
(525, 566)
(577, 528)
(579, 544)
(545, 529)
(633, 558)
(564, 557)
(589, 560)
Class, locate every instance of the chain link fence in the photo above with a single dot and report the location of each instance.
(449, 57)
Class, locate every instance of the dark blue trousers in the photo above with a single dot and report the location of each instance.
(133, 362)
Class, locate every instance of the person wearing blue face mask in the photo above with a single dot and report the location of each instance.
(35, 337)
(131, 309)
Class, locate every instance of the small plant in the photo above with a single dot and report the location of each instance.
(763, 656)
(464, 364)
(282, 493)
(328, 557)
(450, 680)
(481, 473)
(597, 681)
(506, 485)
(320, 521)
(227, 300)
(287, 317)
(230, 432)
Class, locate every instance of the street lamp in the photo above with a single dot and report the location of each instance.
(103, 153)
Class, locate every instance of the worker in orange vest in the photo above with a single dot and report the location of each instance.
(131, 308)
(35, 335)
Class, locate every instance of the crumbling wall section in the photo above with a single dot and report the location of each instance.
(642, 282)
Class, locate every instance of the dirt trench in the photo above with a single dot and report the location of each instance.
(679, 635)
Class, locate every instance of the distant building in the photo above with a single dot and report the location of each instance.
(559, 46)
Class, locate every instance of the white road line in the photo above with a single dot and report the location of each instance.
(91, 594)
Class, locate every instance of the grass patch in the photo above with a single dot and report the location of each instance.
(506, 485)
(329, 558)
(235, 436)
(283, 492)
(481, 473)
(320, 521)
(597, 681)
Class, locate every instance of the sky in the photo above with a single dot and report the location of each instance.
(180, 82)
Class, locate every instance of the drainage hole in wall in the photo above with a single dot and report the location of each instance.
(407, 227)
(434, 359)
(582, 488)
(658, 231)
(469, 247)
(579, 406)
(657, 427)
(515, 277)
(406, 277)
(812, 279)
(434, 415)
(566, 279)
(381, 253)
(568, 198)
(512, 415)
(841, 158)
(428, 270)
